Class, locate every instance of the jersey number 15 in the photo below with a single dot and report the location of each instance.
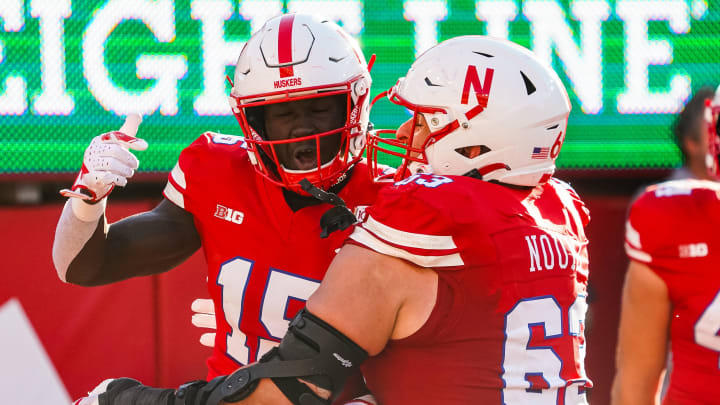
(280, 289)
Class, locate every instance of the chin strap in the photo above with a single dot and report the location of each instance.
(337, 218)
(474, 173)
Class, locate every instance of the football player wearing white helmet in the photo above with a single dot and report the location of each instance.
(300, 93)
(519, 134)
(475, 205)
(465, 282)
(291, 65)
(672, 284)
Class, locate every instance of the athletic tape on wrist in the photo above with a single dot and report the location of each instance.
(88, 212)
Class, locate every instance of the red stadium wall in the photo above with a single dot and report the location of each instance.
(141, 327)
(607, 271)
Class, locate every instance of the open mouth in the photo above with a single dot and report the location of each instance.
(305, 157)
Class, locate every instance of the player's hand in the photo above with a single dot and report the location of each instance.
(93, 396)
(125, 391)
(204, 317)
(108, 162)
(367, 399)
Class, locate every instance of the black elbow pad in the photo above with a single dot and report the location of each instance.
(312, 350)
(334, 355)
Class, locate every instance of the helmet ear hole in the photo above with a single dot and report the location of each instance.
(473, 151)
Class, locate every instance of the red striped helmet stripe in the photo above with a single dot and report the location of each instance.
(285, 44)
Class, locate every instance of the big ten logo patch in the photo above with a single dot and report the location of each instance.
(693, 250)
(229, 214)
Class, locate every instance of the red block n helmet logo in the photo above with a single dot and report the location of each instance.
(482, 92)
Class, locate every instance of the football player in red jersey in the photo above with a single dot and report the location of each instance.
(300, 93)
(672, 288)
(465, 282)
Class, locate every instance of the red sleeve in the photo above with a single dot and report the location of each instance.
(412, 222)
(639, 240)
(192, 168)
(665, 221)
(574, 200)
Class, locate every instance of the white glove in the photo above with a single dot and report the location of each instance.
(204, 317)
(92, 398)
(108, 162)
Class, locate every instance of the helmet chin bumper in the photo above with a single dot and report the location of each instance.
(330, 174)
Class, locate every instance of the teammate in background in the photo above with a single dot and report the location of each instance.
(301, 95)
(465, 282)
(692, 137)
(672, 286)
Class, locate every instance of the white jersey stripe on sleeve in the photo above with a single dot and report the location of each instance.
(366, 238)
(636, 254)
(178, 175)
(172, 194)
(632, 236)
(409, 239)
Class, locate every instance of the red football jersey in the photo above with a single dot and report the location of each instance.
(673, 228)
(264, 260)
(507, 327)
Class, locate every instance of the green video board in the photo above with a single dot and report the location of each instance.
(71, 70)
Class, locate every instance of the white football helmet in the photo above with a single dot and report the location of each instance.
(296, 57)
(487, 92)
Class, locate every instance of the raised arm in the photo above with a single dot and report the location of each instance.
(148, 243)
(87, 251)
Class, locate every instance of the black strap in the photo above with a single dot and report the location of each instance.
(322, 195)
(198, 392)
(126, 391)
(297, 202)
(474, 173)
(297, 392)
(243, 382)
(337, 218)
